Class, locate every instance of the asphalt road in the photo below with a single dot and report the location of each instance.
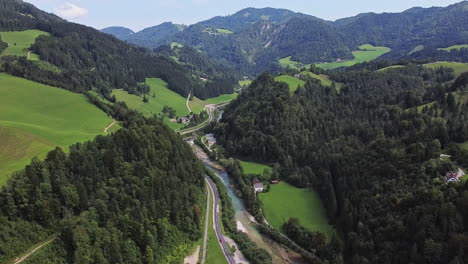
(217, 222)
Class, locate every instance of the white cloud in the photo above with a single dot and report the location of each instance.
(71, 11)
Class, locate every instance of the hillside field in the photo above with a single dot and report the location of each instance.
(155, 105)
(221, 99)
(291, 81)
(23, 41)
(455, 47)
(284, 201)
(245, 83)
(365, 53)
(253, 167)
(34, 118)
(458, 67)
(324, 79)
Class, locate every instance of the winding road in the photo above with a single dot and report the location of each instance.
(217, 221)
(211, 115)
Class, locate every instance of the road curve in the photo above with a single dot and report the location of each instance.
(217, 221)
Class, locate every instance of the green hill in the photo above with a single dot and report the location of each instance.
(19, 42)
(34, 118)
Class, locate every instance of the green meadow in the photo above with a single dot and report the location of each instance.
(365, 53)
(284, 201)
(19, 42)
(455, 47)
(197, 105)
(218, 31)
(162, 96)
(245, 83)
(34, 118)
(221, 99)
(391, 67)
(291, 81)
(324, 79)
(287, 62)
(253, 167)
(458, 67)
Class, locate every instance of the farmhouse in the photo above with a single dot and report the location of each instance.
(258, 186)
(211, 139)
(454, 176)
(183, 120)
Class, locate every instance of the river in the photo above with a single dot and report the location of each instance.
(245, 222)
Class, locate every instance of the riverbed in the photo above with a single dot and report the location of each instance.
(245, 221)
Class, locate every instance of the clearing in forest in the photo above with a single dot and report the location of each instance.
(284, 201)
(254, 168)
(292, 82)
(365, 53)
(19, 42)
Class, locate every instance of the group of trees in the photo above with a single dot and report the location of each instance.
(135, 196)
(373, 158)
(3, 45)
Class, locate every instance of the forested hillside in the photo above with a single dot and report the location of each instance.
(116, 199)
(370, 154)
(87, 58)
(253, 40)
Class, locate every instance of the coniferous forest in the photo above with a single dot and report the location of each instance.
(373, 158)
(135, 196)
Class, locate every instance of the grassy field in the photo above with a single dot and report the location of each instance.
(221, 99)
(155, 105)
(365, 53)
(34, 118)
(284, 201)
(254, 168)
(245, 83)
(164, 96)
(287, 62)
(455, 47)
(218, 31)
(458, 67)
(391, 67)
(324, 79)
(224, 31)
(292, 82)
(416, 49)
(23, 41)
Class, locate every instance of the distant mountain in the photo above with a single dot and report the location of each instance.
(119, 32)
(249, 16)
(253, 40)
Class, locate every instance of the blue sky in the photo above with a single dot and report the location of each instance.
(138, 14)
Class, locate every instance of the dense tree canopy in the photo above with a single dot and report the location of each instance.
(132, 197)
(372, 157)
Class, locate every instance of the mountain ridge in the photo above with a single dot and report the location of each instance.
(259, 37)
